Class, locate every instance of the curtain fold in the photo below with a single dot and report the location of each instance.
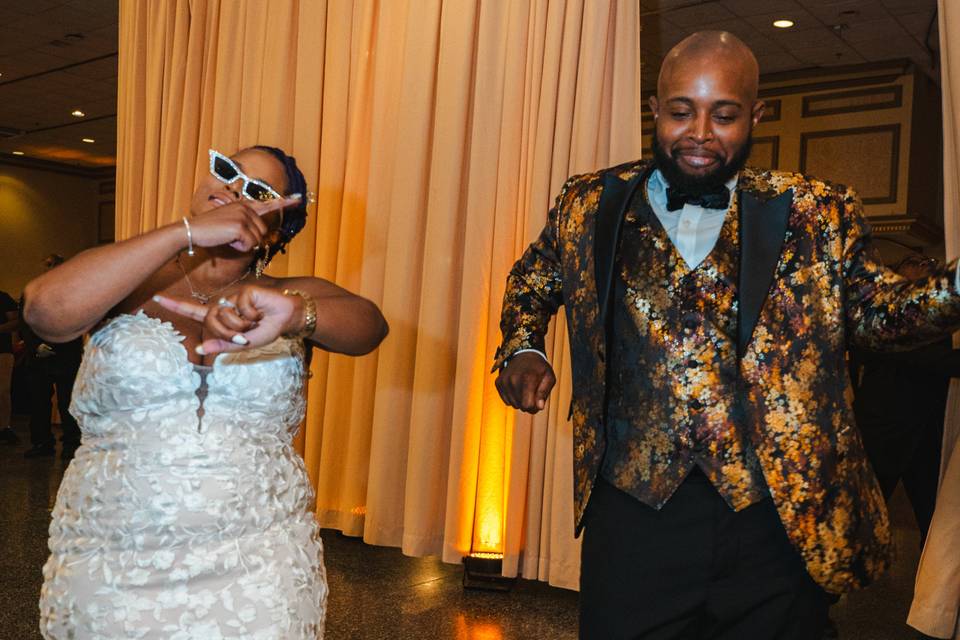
(936, 604)
(949, 23)
(435, 134)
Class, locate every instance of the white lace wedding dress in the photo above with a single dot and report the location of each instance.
(185, 513)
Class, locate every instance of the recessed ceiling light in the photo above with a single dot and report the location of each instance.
(783, 24)
(77, 113)
(88, 140)
(17, 153)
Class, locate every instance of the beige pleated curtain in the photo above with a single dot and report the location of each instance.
(936, 605)
(435, 134)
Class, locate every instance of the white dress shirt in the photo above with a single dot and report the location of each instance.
(693, 230)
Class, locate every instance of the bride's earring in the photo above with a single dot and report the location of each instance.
(262, 262)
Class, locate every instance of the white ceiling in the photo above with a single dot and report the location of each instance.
(39, 37)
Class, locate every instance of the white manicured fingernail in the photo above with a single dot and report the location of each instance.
(239, 339)
(156, 298)
(199, 350)
(295, 196)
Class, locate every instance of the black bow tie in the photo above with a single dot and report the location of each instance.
(718, 198)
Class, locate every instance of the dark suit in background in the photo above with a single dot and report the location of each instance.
(899, 404)
(51, 366)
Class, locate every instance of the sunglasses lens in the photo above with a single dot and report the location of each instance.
(257, 192)
(224, 170)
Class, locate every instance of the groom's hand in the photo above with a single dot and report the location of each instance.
(526, 381)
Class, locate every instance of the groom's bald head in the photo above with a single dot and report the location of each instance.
(712, 53)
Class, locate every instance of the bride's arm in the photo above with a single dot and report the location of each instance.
(346, 323)
(69, 300)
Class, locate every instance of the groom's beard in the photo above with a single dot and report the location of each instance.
(694, 185)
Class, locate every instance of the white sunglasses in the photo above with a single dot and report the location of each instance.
(226, 171)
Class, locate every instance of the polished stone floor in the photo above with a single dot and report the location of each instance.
(378, 593)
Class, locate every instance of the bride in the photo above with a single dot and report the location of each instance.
(186, 511)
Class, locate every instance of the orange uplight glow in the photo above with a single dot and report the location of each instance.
(63, 154)
(493, 477)
(477, 630)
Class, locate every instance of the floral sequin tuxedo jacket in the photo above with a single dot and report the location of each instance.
(808, 283)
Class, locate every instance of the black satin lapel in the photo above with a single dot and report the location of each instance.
(763, 226)
(610, 211)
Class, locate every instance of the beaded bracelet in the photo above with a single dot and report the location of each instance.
(309, 315)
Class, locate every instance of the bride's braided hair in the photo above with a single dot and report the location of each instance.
(294, 217)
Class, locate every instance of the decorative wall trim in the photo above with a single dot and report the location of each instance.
(899, 66)
(775, 154)
(891, 195)
(828, 84)
(96, 173)
(906, 227)
(894, 92)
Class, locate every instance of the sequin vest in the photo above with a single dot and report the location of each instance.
(673, 368)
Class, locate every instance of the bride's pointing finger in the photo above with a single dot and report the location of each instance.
(263, 207)
(184, 308)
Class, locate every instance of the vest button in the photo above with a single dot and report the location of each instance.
(696, 405)
(691, 322)
(692, 363)
(690, 286)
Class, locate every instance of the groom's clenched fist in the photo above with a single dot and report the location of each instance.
(525, 382)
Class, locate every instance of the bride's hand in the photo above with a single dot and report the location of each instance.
(252, 317)
(237, 224)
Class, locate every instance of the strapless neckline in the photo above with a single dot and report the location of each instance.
(136, 367)
(178, 336)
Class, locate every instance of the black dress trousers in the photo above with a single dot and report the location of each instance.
(694, 570)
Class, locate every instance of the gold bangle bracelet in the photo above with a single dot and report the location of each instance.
(309, 315)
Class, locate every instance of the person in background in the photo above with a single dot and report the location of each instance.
(8, 324)
(51, 366)
(899, 400)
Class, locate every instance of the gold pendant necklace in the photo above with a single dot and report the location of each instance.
(200, 296)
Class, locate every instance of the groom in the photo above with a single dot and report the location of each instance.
(718, 473)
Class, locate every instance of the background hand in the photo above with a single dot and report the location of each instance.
(251, 317)
(237, 224)
(526, 382)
